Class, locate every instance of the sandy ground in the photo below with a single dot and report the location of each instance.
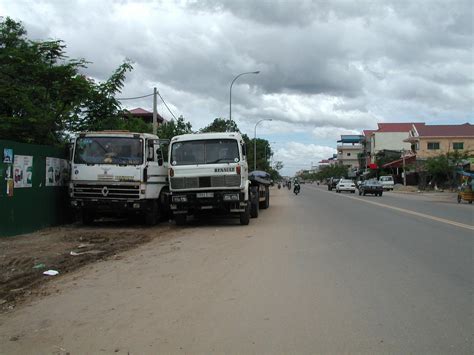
(305, 277)
(23, 259)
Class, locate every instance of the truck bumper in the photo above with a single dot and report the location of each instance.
(111, 207)
(216, 201)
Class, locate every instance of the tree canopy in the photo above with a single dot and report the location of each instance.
(43, 94)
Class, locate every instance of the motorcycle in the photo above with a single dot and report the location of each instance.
(296, 190)
(279, 186)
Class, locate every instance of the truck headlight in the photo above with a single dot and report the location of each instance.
(177, 199)
(231, 197)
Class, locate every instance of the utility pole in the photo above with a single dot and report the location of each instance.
(404, 173)
(155, 112)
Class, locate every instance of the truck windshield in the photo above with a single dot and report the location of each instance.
(109, 150)
(205, 152)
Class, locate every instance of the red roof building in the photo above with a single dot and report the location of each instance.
(433, 140)
(145, 115)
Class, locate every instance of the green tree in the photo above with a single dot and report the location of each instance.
(442, 168)
(43, 95)
(40, 90)
(337, 171)
(174, 128)
(221, 125)
(101, 110)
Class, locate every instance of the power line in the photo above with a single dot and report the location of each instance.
(133, 98)
(141, 97)
(172, 114)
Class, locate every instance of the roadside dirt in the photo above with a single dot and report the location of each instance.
(23, 259)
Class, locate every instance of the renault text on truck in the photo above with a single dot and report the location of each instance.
(119, 173)
(209, 171)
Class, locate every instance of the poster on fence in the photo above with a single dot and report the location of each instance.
(22, 171)
(8, 155)
(57, 172)
(8, 172)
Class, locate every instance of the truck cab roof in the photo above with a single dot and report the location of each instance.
(116, 134)
(205, 136)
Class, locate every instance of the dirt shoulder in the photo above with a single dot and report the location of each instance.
(23, 259)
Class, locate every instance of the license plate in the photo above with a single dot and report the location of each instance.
(205, 194)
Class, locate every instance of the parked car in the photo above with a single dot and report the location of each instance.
(345, 185)
(332, 183)
(371, 187)
(387, 182)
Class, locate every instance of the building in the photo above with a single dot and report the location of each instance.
(348, 150)
(144, 115)
(432, 140)
(332, 160)
(388, 137)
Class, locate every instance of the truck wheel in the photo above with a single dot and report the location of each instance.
(152, 214)
(254, 207)
(164, 211)
(267, 198)
(180, 219)
(87, 217)
(245, 216)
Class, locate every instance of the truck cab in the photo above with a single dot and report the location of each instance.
(209, 171)
(118, 173)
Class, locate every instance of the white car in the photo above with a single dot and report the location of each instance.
(387, 182)
(345, 185)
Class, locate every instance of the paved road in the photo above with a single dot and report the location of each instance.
(316, 273)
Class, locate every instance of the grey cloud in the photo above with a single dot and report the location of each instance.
(368, 60)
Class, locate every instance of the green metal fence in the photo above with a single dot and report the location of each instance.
(33, 187)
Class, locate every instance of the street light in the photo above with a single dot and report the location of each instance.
(230, 94)
(255, 142)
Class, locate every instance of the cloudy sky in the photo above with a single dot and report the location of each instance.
(326, 67)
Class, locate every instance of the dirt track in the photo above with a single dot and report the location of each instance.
(23, 259)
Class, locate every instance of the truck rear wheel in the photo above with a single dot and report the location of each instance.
(254, 208)
(245, 216)
(266, 203)
(180, 219)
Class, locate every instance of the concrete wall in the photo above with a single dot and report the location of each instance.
(389, 141)
(352, 160)
(445, 145)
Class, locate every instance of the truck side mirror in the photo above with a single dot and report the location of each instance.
(150, 152)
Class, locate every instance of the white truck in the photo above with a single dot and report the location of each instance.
(119, 173)
(387, 182)
(209, 172)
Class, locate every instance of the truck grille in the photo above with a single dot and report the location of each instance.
(178, 183)
(107, 191)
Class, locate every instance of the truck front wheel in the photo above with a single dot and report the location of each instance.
(152, 214)
(245, 216)
(87, 217)
(180, 219)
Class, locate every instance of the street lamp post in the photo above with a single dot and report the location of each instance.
(230, 93)
(255, 142)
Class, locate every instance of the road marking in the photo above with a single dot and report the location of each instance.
(414, 213)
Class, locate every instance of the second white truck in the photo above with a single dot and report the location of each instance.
(209, 172)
